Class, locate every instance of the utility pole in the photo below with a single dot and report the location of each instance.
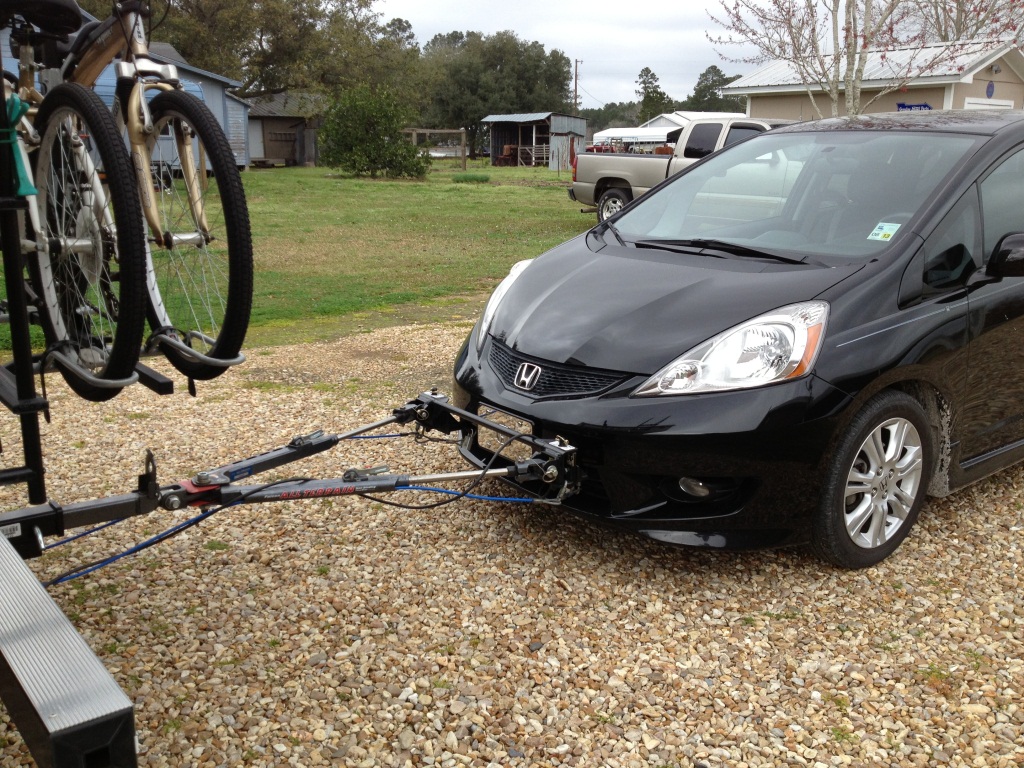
(576, 88)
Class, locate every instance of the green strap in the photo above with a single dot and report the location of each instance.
(16, 109)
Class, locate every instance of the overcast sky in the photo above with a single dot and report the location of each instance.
(613, 39)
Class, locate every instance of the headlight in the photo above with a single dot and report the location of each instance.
(495, 300)
(777, 346)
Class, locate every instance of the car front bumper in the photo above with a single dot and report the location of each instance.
(755, 458)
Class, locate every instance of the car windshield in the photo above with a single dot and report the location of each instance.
(844, 194)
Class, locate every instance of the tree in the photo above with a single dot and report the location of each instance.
(276, 45)
(471, 75)
(611, 115)
(828, 42)
(362, 134)
(707, 94)
(653, 100)
(949, 20)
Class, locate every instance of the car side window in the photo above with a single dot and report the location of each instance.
(1001, 194)
(702, 140)
(739, 133)
(952, 252)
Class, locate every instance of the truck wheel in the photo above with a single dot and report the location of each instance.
(611, 202)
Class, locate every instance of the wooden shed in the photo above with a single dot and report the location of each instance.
(282, 129)
(536, 138)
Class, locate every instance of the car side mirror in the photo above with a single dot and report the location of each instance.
(1008, 258)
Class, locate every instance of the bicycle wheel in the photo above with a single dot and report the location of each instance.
(201, 286)
(88, 269)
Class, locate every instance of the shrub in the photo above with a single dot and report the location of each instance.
(362, 134)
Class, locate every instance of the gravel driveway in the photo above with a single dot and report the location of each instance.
(347, 632)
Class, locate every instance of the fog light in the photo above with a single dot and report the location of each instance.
(694, 487)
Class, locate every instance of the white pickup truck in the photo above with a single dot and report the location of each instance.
(610, 181)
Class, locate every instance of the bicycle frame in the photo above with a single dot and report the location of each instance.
(122, 36)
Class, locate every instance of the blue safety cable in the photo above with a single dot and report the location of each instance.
(450, 492)
(199, 518)
(83, 534)
(141, 545)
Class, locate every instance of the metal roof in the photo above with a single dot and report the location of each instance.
(681, 118)
(288, 104)
(885, 66)
(167, 53)
(658, 133)
(527, 117)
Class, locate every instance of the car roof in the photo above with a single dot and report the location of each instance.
(986, 122)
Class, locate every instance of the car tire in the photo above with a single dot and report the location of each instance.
(611, 202)
(876, 482)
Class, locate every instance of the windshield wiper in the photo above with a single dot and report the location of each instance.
(720, 245)
(609, 227)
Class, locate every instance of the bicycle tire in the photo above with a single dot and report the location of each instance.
(202, 276)
(88, 270)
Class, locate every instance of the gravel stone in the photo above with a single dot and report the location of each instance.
(349, 632)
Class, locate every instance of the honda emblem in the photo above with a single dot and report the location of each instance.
(527, 376)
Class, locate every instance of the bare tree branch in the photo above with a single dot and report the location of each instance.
(829, 44)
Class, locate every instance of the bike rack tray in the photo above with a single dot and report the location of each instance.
(69, 710)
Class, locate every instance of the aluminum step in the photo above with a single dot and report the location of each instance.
(69, 710)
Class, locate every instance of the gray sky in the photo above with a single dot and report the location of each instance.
(613, 39)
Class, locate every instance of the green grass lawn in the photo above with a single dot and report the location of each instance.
(332, 249)
(336, 254)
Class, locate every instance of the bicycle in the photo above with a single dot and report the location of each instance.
(84, 243)
(200, 271)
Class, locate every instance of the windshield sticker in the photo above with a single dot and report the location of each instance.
(883, 231)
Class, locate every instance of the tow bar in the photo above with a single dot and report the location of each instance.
(551, 468)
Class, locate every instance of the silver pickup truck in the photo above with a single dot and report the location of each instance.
(612, 180)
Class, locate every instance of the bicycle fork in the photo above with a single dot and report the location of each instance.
(139, 124)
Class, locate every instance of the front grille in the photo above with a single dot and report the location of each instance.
(555, 380)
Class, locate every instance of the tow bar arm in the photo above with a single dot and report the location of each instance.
(551, 473)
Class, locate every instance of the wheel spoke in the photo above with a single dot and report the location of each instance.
(897, 440)
(874, 450)
(858, 516)
(909, 465)
(876, 533)
(900, 503)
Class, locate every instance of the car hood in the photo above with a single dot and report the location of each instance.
(635, 310)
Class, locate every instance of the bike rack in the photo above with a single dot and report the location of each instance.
(163, 339)
(62, 362)
(67, 707)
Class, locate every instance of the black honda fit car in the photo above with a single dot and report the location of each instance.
(794, 341)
